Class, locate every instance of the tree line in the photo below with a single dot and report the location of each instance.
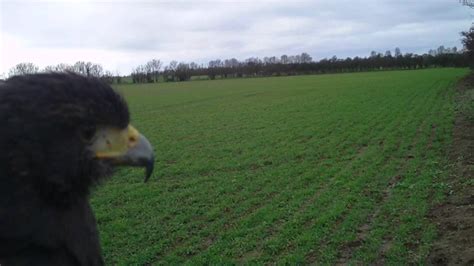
(88, 69)
(303, 64)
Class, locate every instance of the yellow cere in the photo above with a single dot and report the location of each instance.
(112, 142)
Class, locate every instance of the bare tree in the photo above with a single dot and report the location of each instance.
(95, 70)
(234, 62)
(306, 58)
(193, 66)
(80, 68)
(154, 66)
(468, 42)
(59, 68)
(88, 69)
(148, 72)
(23, 69)
(167, 74)
(139, 74)
(118, 77)
(441, 50)
(297, 59)
(398, 53)
(108, 77)
(83, 68)
(173, 65)
(266, 60)
(170, 71)
(213, 68)
(183, 72)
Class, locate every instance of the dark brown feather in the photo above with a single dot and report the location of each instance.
(46, 171)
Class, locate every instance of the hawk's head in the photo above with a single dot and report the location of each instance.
(63, 132)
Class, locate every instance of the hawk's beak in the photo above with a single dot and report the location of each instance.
(124, 147)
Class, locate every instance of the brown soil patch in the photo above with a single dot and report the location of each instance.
(455, 217)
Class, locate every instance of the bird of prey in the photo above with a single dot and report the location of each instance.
(60, 134)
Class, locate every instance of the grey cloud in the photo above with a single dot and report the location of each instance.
(204, 30)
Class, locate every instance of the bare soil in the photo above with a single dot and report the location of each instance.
(455, 216)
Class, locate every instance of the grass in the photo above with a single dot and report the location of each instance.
(308, 169)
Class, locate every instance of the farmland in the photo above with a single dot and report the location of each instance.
(311, 169)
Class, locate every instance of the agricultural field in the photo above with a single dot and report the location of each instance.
(306, 169)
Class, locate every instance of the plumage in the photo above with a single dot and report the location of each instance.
(48, 122)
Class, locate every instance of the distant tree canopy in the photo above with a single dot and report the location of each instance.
(88, 69)
(148, 72)
(284, 65)
(304, 64)
(23, 69)
(468, 42)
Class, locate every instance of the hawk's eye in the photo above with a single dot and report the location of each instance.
(87, 133)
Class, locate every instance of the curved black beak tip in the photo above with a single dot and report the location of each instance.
(150, 165)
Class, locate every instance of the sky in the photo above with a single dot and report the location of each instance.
(122, 34)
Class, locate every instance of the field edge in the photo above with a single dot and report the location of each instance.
(454, 216)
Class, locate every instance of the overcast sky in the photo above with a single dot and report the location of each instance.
(122, 34)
